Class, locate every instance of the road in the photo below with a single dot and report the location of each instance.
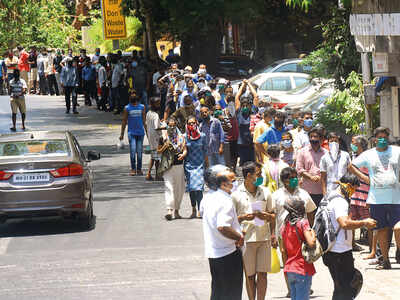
(132, 253)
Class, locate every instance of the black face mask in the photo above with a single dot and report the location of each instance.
(315, 142)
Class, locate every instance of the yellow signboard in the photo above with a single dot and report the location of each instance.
(114, 26)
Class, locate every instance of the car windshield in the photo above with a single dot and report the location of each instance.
(34, 148)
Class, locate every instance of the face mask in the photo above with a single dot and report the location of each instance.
(278, 124)
(354, 148)
(261, 110)
(217, 113)
(192, 127)
(295, 122)
(308, 123)
(201, 85)
(382, 143)
(134, 64)
(286, 143)
(245, 110)
(258, 181)
(293, 182)
(315, 142)
(97, 53)
(290, 127)
(235, 186)
(334, 149)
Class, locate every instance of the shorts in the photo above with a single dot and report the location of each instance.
(257, 257)
(155, 155)
(18, 104)
(386, 215)
(358, 212)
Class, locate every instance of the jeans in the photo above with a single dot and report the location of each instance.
(300, 286)
(195, 198)
(216, 159)
(341, 267)
(136, 147)
(227, 277)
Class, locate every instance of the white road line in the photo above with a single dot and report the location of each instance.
(4, 242)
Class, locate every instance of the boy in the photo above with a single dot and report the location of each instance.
(153, 135)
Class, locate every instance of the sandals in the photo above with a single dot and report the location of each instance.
(149, 177)
(384, 265)
(132, 173)
(168, 217)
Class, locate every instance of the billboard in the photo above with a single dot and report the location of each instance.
(114, 26)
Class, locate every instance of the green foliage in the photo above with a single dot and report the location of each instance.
(304, 4)
(35, 22)
(344, 111)
(336, 57)
(133, 25)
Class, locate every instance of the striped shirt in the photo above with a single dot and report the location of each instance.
(359, 198)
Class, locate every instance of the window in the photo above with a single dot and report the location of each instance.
(34, 148)
(78, 147)
(301, 81)
(287, 68)
(276, 84)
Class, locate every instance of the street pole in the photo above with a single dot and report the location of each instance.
(366, 75)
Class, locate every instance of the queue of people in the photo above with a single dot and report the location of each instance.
(292, 171)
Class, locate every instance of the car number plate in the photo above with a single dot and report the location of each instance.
(31, 177)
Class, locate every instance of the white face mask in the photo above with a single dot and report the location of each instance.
(334, 150)
(231, 108)
(235, 186)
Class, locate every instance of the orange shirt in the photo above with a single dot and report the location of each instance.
(23, 61)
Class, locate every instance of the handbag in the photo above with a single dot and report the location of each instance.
(167, 157)
(271, 184)
(310, 255)
(275, 263)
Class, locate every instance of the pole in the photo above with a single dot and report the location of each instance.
(366, 75)
(115, 44)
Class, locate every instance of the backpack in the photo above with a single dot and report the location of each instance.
(323, 226)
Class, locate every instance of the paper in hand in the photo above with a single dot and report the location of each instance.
(257, 206)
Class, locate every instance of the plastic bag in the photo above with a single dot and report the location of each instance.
(275, 264)
(120, 145)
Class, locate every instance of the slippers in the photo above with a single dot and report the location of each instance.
(13, 129)
(384, 265)
(168, 217)
(132, 173)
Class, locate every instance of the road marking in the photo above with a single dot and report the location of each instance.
(4, 242)
(114, 126)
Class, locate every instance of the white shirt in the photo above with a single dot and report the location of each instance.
(301, 140)
(339, 207)
(102, 75)
(217, 210)
(117, 74)
(281, 196)
(153, 123)
(334, 169)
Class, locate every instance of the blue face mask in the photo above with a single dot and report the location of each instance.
(354, 148)
(382, 143)
(134, 64)
(286, 143)
(308, 123)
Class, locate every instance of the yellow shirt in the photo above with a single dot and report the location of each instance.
(260, 128)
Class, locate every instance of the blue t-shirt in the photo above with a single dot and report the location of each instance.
(135, 119)
(271, 136)
(383, 169)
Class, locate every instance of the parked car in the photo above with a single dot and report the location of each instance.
(236, 66)
(294, 90)
(292, 65)
(45, 173)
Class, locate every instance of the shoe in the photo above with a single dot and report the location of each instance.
(177, 215)
(384, 265)
(13, 129)
(139, 173)
(357, 248)
(194, 214)
(149, 178)
(76, 112)
(67, 111)
(132, 173)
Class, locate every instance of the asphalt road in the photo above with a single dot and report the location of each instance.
(132, 253)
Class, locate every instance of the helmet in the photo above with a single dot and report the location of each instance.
(210, 175)
(356, 283)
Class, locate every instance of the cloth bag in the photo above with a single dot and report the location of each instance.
(310, 255)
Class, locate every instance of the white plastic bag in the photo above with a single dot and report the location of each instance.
(120, 144)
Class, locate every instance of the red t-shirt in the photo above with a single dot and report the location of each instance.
(23, 61)
(295, 262)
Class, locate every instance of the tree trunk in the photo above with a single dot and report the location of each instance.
(151, 43)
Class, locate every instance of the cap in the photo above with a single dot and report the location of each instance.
(188, 68)
(222, 81)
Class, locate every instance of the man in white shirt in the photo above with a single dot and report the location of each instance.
(302, 139)
(340, 259)
(254, 206)
(333, 165)
(222, 237)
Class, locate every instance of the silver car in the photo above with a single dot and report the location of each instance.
(45, 173)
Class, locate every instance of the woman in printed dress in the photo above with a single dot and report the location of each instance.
(195, 162)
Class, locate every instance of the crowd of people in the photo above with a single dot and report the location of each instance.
(291, 167)
(201, 131)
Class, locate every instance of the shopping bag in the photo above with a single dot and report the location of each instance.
(275, 264)
(120, 145)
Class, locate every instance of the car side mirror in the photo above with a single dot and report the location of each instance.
(93, 155)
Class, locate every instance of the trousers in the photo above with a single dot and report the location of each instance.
(174, 180)
(341, 267)
(136, 149)
(227, 277)
(69, 92)
(195, 198)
